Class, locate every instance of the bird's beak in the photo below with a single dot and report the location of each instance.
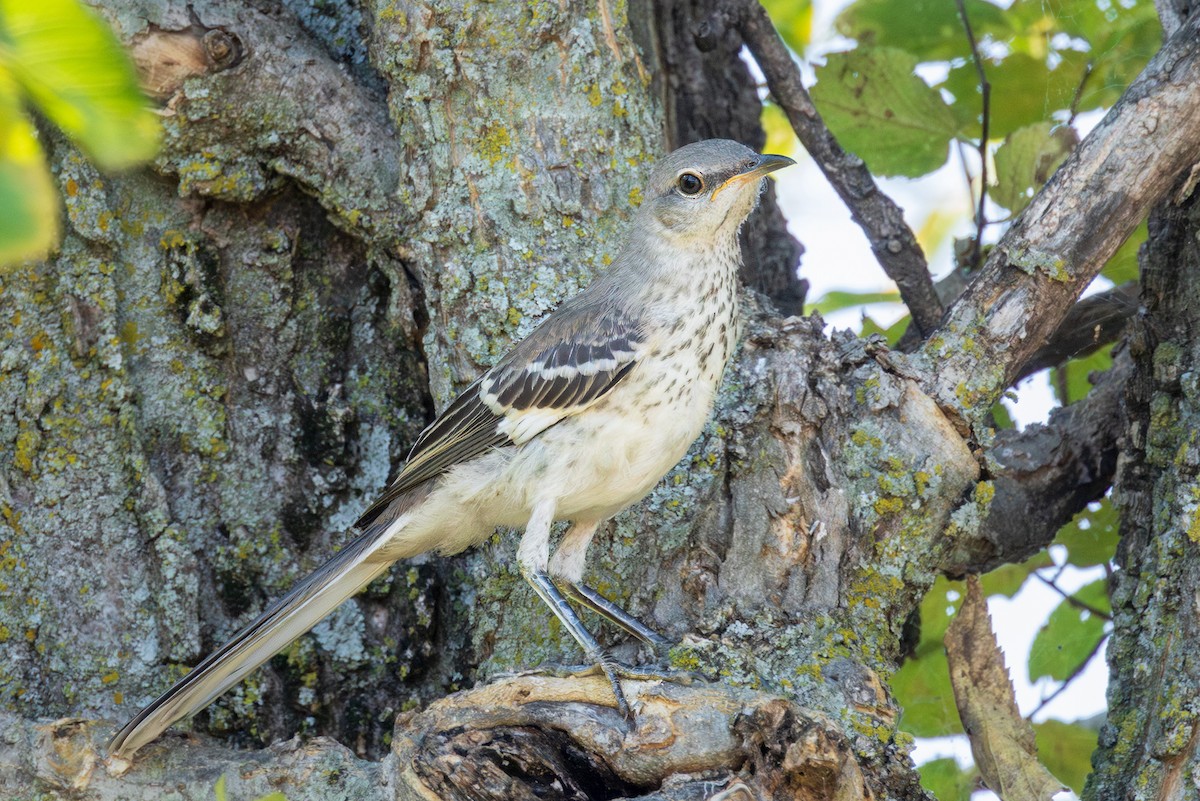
(763, 165)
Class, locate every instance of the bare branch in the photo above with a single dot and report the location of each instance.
(1065, 236)
(1047, 474)
(880, 218)
(1091, 324)
(508, 739)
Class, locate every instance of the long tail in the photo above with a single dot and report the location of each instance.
(298, 611)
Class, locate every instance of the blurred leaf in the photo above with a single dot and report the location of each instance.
(940, 223)
(1121, 38)
(1091, 538)
(793, 20)
(1120, 52)
(1066, 750)
(838, 300)
(946, 780)
(28, 198)
(1070, 635)
(929, 29)
(892, 333)
(922, 684)
(1027, 159)
(1076, 375)
(1024, 91)
(879, 109)
(74, 69)
(1123, 265)
(219, 789)
(781, 139)
(1001, 417)
(1006, 580)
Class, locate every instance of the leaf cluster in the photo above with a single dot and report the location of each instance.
(61, 63)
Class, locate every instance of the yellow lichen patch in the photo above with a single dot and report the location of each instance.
(129, 333)
(27, 442)
(110, 677)
(1193, 529)
(493, 143)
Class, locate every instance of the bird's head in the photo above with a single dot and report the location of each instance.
(705, 190)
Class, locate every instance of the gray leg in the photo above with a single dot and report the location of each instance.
(543, 585)
(566, 566)
(585, 595)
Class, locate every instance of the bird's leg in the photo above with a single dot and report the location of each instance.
(543, 585)
(566, 567)
(532, 557)
(613, 613)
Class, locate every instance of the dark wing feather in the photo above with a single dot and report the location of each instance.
(571, 360)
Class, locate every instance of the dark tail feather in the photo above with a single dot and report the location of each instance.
(298, 611)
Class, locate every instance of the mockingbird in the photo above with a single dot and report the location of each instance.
(580, 420)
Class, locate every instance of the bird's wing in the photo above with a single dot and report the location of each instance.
(570, 361)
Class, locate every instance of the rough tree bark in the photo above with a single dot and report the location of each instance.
(357, 209)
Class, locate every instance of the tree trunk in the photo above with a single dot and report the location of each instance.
(1148, 746)
(357, 210)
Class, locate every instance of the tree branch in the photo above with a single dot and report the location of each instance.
(516, 737)
(1065, 236)
(248, 96)
(892, 241)
(1047, 474)
(1091, 324)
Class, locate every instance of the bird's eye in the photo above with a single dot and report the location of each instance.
(690, 184)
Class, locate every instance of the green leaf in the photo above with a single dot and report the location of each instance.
(892, 333)
(1066, 751)
(922, 684)
(1024, 91)
(946, 780)
(793, 20)
(1007, 580)
(929, 29)
(29, 215)
(1091, 538)
(1075, 375)
(1122, 266)
(837, 300)
(75, 71)
(219, 789)
(1121, 38)
(1070, 635)
(879, 109)
(1027, 159)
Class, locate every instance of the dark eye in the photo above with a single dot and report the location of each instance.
(690, 184)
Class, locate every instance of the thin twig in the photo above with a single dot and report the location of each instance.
(891, 239)
(985, 90)
(1067, 681)
(1071, 599)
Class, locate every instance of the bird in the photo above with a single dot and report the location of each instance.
(581, 419)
